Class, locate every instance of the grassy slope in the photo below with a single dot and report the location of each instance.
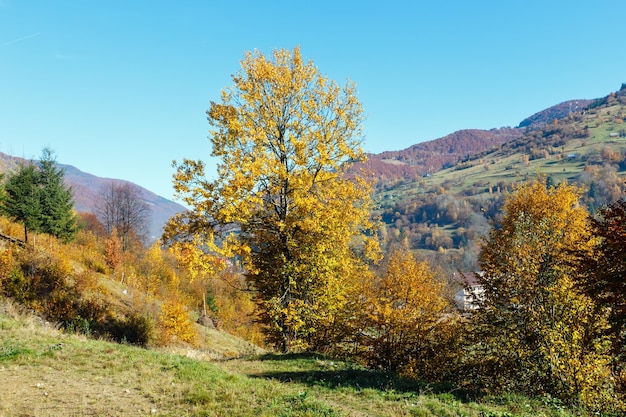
(48, 373)
(510, 167)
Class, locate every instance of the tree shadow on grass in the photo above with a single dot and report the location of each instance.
(339, 374)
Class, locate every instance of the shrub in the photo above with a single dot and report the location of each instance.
(410, 325)
(175, 324)
(134, 329)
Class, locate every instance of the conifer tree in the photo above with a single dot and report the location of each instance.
(20, 200)
(37, 197)
(55, 199)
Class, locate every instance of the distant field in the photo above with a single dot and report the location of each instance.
(564, 162)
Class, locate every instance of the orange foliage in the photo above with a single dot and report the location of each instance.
(113, 250)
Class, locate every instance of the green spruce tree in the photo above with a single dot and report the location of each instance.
(56, 200)
(20, 200)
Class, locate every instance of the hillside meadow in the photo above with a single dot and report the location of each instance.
(47, 372)
(444, 214)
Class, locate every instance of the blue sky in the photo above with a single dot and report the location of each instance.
(120, 88)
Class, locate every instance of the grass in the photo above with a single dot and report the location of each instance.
(49, 373)
(496, 167)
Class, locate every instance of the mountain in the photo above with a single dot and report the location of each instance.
(425, 158)
(557, 112)
(428, 157)
(445, 213)
(86, 188)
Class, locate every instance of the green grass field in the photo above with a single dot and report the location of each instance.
(48, 373)
(565, 163)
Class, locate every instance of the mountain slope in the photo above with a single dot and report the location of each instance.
(86, 188)
(449, 210)
(557, 112)
(428, 157)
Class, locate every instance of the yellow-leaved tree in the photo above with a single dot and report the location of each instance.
(410, 323)
(536, 331)
(282, 202)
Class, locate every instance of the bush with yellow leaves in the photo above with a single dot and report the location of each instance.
(175, 325)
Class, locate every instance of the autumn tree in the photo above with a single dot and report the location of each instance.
(89, 222)
(609, 285)
(121, 206)
(201, 267)
(113, 250)
(409, 319)
(604, 278)
(175, 324)
(284, 136)
(156, 272)
(536, 332)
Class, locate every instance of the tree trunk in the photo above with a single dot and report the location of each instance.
(286, 343)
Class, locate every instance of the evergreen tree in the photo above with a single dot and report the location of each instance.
(20, 200)
(37, 197)
(56, 200)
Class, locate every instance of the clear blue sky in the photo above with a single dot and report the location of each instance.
(120, 88)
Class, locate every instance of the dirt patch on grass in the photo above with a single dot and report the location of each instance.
(50, 392)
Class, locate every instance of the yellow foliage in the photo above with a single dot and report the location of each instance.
(87, 248)
(155, 275)
(235, 306)
(543, 334)
(285, 136)
(409, 318)
(11, 228)
(197, 262)
(175, 324)
(7, 263)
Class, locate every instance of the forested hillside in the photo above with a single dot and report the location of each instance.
(446, 213)
(431, 156)
(428, 157)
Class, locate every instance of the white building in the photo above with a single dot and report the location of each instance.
(466, 298)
